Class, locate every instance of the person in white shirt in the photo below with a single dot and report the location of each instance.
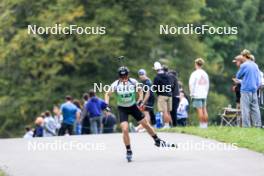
(199, 88)
(49, 125)
(57, 117)
(182, 111)
(29, 133)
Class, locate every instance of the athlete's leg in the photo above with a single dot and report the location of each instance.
(152, 117)
(125, 131)
(147, 117)
(126, 139)
(123, 115)
(139, 116)
(145, 124)
(151, 132)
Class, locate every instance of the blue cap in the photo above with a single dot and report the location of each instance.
(142, 72)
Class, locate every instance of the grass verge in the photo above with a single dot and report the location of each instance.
(2, 173)
(250, 138)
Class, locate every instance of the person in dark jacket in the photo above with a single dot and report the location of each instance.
(163, 88)
(85, 117)
(149, 98)
(108, 122)
(175, 96)
(94, 107)
(38, 132)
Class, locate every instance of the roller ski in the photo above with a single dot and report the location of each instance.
(163, 144)
(129, 156)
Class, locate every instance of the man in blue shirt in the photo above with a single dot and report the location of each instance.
(249, 73)
(94, 107)
(69, 113)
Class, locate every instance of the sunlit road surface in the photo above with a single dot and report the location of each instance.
(104, 155)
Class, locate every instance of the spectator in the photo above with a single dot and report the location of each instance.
(261, 88)
(175, 93)
(175, 96)
(38, 132)
(108, 122)
(180, 86)
(148, 99)
(70, 114)
(199, 87)
(237, 83)
(163, 88)
(94, 107)
(57, 117)
(29, 133)
(49, 126)
(85, 97)
(182, 111)
(77, 124)
(85, 116)
(250, 75)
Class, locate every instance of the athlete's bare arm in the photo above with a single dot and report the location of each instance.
(107, 96)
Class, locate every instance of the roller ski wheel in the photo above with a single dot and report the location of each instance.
(163, 144)
(129, 156)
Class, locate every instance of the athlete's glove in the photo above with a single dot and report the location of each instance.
(140, 105)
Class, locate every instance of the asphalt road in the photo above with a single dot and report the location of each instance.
(103, 155)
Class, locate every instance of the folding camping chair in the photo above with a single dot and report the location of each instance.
(231, 117)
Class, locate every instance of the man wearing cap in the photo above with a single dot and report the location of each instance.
(175, 95)
(148, 98)
(163, 88)
(249, 73)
